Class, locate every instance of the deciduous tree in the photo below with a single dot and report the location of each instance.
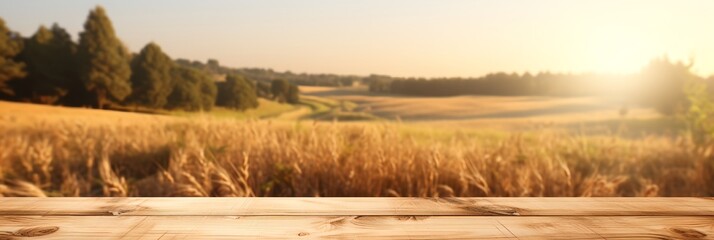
(51, 66)
(193, 90)
(236, 92)
(103, 60)
(279, 89)
(151, 77)
(10, 46)
(293, 96)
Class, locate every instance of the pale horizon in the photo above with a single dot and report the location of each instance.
(401, 38)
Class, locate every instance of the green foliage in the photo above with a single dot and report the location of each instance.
(193, 90)
(103, 60)
(663, 85)
(282, 91)
(209, 92)
(197, 64)
(51, 66)
(151, 77)
(268, 75)
(378, 83)
(238, 93)
(10, 46)
(700, 114)
(213, 66)
(279, 89)
(263, 90)
(293, 95)
(499, 84)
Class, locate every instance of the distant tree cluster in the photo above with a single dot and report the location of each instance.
(268, 75)
(237, 92)
(280, 90)
(193, 90)
(660, 85)
(100, 72)
(305, 79)
(498, 84)
(284, 91)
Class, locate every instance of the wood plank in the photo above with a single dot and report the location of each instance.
(358, 206)
(358, 227)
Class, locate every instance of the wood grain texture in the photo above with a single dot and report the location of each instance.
(358, 206)
(356, 218)
(387, 227)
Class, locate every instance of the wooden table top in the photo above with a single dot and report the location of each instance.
(357, 218)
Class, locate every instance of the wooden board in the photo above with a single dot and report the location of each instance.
(359, 206)
(357, 218)
(388, 227)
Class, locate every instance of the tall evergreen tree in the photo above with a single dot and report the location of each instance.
(50, 58)
(10, 46)
(103, 60)
(238, 93)
(151, 77)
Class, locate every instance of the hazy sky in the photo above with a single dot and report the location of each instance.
(399, 37)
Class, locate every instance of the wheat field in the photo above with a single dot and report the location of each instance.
(161, 156)
(482, 109)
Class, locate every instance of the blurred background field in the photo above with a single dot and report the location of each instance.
(591, 107)
(307, 150)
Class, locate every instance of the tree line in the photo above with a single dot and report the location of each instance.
(503, 84)
(268, 75)
(99, 71)
(661, 84)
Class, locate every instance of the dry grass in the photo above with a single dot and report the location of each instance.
(13, 113)
(210, 157)
(502, 112)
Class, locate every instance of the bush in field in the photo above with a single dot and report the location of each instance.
(103, 60)
(193, 90)
(51, 66)
(283, 91)
(700, 114)
(151, 77)
(293, 95)
(10, 46)
(237, 92)
(279, 89)
(663, 84)
(263, 90)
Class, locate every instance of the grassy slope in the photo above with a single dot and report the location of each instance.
(28, 114)
(479, 107)
(498, 113)
(331, 109)
(266, 109)
(447, 115)
(310, 108)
